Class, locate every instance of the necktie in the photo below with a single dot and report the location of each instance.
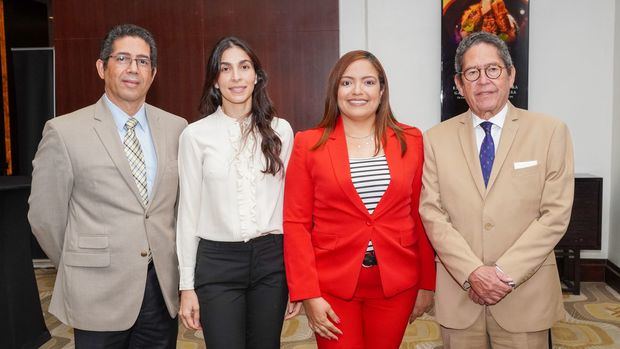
(487, 152)
(136, 159)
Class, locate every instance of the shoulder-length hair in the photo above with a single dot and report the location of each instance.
(262, 110)
(384, 117)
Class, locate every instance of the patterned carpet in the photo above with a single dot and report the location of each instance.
(592, 321)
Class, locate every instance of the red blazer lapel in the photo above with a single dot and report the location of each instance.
(396, 164)
(339, 156)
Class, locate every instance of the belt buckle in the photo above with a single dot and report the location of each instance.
(370, 259)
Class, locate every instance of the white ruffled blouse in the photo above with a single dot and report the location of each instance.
(224, 196)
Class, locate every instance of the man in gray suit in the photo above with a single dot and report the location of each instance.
(104, 191)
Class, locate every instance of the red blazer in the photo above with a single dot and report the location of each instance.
(327, 227)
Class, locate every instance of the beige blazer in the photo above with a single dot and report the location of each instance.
(514, 223)
(86, 213)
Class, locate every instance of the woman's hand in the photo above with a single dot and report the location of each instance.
(319, 313)
(189, 310)
(423, 303)
(292, 309)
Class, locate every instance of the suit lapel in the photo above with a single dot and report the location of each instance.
(107, 133)
(397, 170)
(470, 150)
(337, 149)
(159, 140)
(509, 131)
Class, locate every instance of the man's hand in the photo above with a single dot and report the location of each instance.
(423, 303)
(474, 297)
(504, 277)
(319, 313)
(189, 310)
(487, 285)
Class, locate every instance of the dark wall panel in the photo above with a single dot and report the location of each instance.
(296, 41)
(25, 26)
(34, 102)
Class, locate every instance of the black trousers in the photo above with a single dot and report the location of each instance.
(242, 292)
(154, 328)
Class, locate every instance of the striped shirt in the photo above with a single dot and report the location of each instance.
(371, 177)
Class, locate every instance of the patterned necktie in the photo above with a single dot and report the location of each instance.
(136, 159)
(487, 152)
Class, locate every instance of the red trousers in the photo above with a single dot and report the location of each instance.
(370, 320)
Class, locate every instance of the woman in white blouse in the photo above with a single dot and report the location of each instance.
(229, 227)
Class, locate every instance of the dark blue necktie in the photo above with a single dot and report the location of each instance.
(487, 152)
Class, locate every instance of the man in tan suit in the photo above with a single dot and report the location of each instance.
(497, 196)
(104, 191)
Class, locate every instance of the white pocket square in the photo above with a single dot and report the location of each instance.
(525, 164)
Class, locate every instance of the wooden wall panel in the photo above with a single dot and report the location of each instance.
(6, 157)
(177, 30)
(296, 41)
(77, 82)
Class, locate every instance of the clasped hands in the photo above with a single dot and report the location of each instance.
(489, 285)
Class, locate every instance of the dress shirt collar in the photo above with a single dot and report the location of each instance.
(497, 119)
(120, 117)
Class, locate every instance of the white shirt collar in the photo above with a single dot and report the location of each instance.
(497, 119)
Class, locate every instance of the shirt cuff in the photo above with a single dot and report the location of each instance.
(187, 278)
(509, 283)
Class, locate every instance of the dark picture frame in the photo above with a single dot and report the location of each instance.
(462, 17)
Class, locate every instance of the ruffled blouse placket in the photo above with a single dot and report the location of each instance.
(246, 174)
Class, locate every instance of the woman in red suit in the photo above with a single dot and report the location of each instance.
(355, 249)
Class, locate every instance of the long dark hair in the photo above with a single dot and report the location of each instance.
(262, 111)
(385, 118)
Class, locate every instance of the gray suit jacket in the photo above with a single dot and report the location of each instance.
(86, 213)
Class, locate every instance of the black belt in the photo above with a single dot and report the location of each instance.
(370, 260)
(242, 245)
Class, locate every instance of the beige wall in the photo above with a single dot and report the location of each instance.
(614, 226)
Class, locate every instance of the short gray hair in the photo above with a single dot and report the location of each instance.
(123, 30)
(478, 38)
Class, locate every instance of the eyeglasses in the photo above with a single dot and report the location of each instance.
(492, 71)
(125, 61)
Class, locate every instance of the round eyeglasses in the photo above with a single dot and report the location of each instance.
(492, 71)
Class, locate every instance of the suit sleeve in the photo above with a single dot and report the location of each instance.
(301, 273)
(529, 252)
(425, 251)
(454, 252)
(52, 183)
(176, 203)
(190, 189)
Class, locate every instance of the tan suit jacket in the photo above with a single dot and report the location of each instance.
(86, 213)
(514, 223)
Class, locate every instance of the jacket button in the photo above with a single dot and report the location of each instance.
(147, 216)
(368, 223)
(143, 253)
(488, 226)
